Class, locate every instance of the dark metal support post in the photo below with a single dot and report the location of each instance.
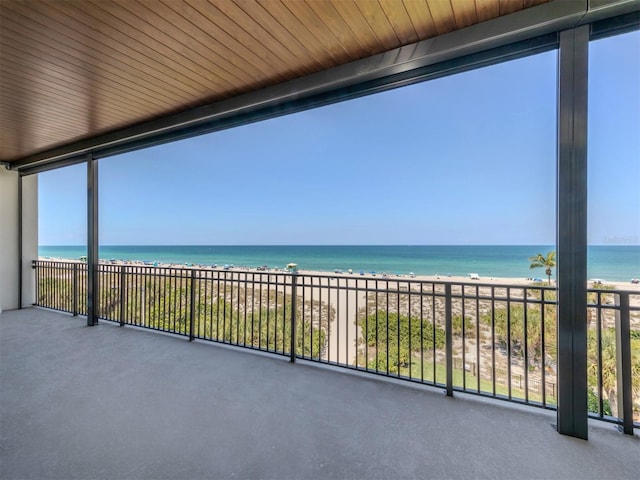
(623, 364)
(572, 231)
(294, 283)
(192, 306)
(20, 233)
(74, 289)
(448, 328)
(92, 242)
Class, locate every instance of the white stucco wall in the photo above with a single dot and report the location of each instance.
(9, 267)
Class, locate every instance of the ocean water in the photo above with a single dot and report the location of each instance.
(619, 263)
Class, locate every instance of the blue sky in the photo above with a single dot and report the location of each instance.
(466, 159)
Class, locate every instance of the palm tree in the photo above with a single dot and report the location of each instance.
(548, 262)
(609, 366)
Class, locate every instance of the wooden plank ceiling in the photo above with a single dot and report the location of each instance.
(74, 69)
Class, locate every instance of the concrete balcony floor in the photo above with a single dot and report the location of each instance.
(117, 403)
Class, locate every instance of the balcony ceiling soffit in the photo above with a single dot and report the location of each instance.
(74, 70)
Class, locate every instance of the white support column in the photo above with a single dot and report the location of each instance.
(10, 262)
(29, 238)
(9, 276)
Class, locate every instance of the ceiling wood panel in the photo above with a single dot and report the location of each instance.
(136, 49)
(285, 18)
(443, 17)
(379, 23)
(133, 47)
(400, 21)
(421, 18)
(337, 24)
(98, 52)
(55, 76)
(318, 30)
(74, 69)
(269, 52)
(306, 58)
(464, 12)
(368, 38)
(210, 60)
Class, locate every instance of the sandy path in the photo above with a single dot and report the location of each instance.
(339, 296)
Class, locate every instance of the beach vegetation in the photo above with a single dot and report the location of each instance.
(260, 320)
(593, 403)
(509, 325)
(548, 262)
(60, 288)
(607, 343)
(456, 326)
(392, 339)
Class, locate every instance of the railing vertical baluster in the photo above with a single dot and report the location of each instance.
(303, 312)
(237, 310)
(294, 281)
(448, 338)
(328, 310)
(224, 309)
(422, 334)
(34, 266)
(74, 290)
(123, 294)
(543, 377)
(477, 372)
(433, 335)
(192, 305)
(386, 289)
(244, 325)
(346, 320)
(260, 313)
(599, 339)
(464, 338)
(623, 364)
(268, 310)
(525, 341)
(410, 330)
(377, 326)
(509, 380)
(338, 319)
(397, 324)
(253, 309)
(54, 287)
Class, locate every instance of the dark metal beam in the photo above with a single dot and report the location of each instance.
(92, 241)
(616, 25)
(573, 59)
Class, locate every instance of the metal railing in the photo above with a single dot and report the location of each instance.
(486, 339)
